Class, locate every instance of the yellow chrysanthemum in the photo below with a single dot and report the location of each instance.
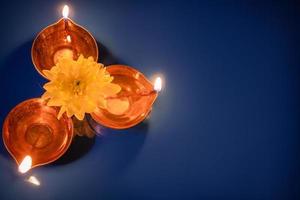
(78, 87)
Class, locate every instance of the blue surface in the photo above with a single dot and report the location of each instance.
(226, 125)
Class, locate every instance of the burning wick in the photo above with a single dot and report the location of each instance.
(25, 164)
(117, 106)
(157, 84)
(65, 52)
(65, 12)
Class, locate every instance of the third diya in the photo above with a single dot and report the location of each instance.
(133, 103)
(34, 136)
(65, 38)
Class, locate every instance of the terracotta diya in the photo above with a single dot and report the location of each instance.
(132, 104)
(64, 38)
(34, 136)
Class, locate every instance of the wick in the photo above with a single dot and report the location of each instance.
(66, 23)
(142, 94)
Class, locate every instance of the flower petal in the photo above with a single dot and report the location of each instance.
(110, 89)
(78, 86)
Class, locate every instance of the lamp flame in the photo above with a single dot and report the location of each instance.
(25, 164)
(65, 11)
(157, 84)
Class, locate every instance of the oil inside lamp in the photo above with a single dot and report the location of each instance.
(62, 39)
(133, 103)
(34, 136)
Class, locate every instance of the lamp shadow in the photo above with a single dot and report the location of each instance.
(106, 57)
(82, 142)
(118, 149)
(18, 81)
(80, 146)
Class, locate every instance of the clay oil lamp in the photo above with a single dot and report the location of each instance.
(64, 38)
(133, 103)
(34, 136)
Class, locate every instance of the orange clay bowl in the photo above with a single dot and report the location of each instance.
(132, 104)
(32, 128)
(64, 38)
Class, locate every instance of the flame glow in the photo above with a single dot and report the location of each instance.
(157, 84)
(65, 11)
(34, 180)
(69, 38)
(25, 164)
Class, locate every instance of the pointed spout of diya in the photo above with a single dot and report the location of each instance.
(34, 136)
(62, 39)
(133, 103)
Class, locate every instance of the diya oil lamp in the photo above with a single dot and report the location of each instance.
(133, 103)
(34, 136)
(64, 38)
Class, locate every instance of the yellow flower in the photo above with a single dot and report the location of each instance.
(78, 87)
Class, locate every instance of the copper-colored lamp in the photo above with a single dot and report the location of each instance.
(32, 130)
(64, 38)
(132, 104)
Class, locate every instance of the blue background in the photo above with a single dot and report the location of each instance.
(226, 125)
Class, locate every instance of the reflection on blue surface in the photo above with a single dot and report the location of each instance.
(225, 127)
(33, 180)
